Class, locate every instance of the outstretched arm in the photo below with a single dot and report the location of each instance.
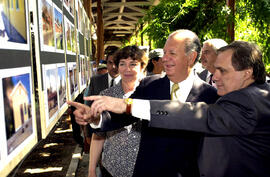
(106, 103)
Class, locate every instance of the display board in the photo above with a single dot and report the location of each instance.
(52, 66)
(62, 43)
(17, 104)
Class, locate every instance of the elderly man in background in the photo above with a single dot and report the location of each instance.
(208, 58)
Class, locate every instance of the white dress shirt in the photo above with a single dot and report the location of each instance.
(141, 108)
(116, 80)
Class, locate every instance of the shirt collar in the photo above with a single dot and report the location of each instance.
(184, 87)
(116, 80)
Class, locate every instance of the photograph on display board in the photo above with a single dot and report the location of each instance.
(88, 69)
(75, 79)
(47, 25)
(68, 34)
(80, 17)
(83, 70)
(86, 28)
(58, 28)
(69, 5)
(17, 107)
(71, 80)
(51, 90)
(84, 23)
(62, 85)
(73, 39)
(14, 24)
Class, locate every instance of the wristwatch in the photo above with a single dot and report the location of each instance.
(129, 102)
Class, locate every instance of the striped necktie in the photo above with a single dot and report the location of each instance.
(175, 87)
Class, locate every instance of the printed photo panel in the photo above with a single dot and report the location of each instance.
(17, 108)
(82, 72)
(69, 5)
(73, 39)
(73, 80)
(62, 87)
(14, 25)
(68, 36)
(58, 28)
(50, 91)
(46, 20)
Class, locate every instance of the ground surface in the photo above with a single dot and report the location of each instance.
(52, 156)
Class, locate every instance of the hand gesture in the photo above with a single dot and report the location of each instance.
(82, 113)
(106, 103)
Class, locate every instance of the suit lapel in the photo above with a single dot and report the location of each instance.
(194, 92)
(161, 90)
(106, 80)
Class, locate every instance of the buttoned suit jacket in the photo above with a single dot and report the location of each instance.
(166, 152)
(237, 127)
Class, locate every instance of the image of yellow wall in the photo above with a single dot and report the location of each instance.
(20, 100)
(16, 16)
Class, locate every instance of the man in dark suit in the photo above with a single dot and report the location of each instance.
(237, 126)
(165, 152)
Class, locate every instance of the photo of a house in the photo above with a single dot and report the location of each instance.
(51, 85)
(62, 85)
(71, 81)
(80, 17)
(47, 23)
(83, 70)
(18, 109)
(68, 34)
(13, 23)
(58, 27)
(73, 41)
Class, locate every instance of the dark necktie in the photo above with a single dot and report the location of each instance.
(111, 82)
(210, 80)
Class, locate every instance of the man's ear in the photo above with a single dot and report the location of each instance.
(191, 57)
(248, 74)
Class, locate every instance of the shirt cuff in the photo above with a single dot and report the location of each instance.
(141, 109)
(94, 126)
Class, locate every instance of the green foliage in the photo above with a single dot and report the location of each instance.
(252, 24)
(210, 19)
(201, 16)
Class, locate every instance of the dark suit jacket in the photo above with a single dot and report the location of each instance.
(97, 84)
(203, 74)
(168, 153)
(237, 126)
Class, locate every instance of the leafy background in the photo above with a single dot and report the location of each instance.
(208, 19)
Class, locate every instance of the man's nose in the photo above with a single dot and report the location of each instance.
(215, 76)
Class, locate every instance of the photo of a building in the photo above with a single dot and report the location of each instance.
(68, 34)
(62, 85)
(17, 106)
(47, 23)
(13, 24)
(51, 85)
(58, 27)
